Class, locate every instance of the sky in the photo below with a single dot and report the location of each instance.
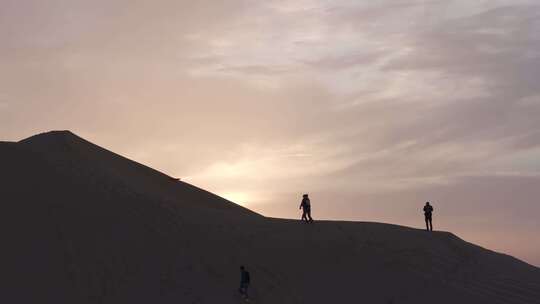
(372, 107)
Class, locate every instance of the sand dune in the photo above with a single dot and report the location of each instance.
(84, 225)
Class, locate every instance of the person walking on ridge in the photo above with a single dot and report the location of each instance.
(305, 205)
(244, 282)
(428, 210)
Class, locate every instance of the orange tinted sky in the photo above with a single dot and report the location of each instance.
(372, 107)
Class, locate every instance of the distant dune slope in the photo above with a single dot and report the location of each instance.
(84, 225)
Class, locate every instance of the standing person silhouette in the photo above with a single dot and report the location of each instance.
(244, 282)
(305, 205)
(428, 210)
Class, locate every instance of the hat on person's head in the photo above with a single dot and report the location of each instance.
(305, 195)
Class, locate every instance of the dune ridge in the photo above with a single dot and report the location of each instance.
(85, 225)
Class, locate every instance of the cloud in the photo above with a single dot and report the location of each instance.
(405, 99)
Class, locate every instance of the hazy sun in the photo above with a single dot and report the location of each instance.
(240, 198)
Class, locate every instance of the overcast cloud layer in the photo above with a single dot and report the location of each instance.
(373, 107)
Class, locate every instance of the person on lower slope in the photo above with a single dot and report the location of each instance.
(428, 213)
(244, 282)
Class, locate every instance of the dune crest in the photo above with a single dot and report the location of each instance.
(86, 225)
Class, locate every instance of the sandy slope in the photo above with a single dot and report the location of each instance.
(83, 225)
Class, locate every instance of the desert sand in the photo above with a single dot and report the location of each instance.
(81, 224)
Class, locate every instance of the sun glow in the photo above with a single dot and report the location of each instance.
(240, 198)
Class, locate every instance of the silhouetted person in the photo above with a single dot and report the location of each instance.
(244, 282)
(305, 205)
(428, 211)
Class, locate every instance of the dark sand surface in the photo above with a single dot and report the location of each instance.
(81, 225)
